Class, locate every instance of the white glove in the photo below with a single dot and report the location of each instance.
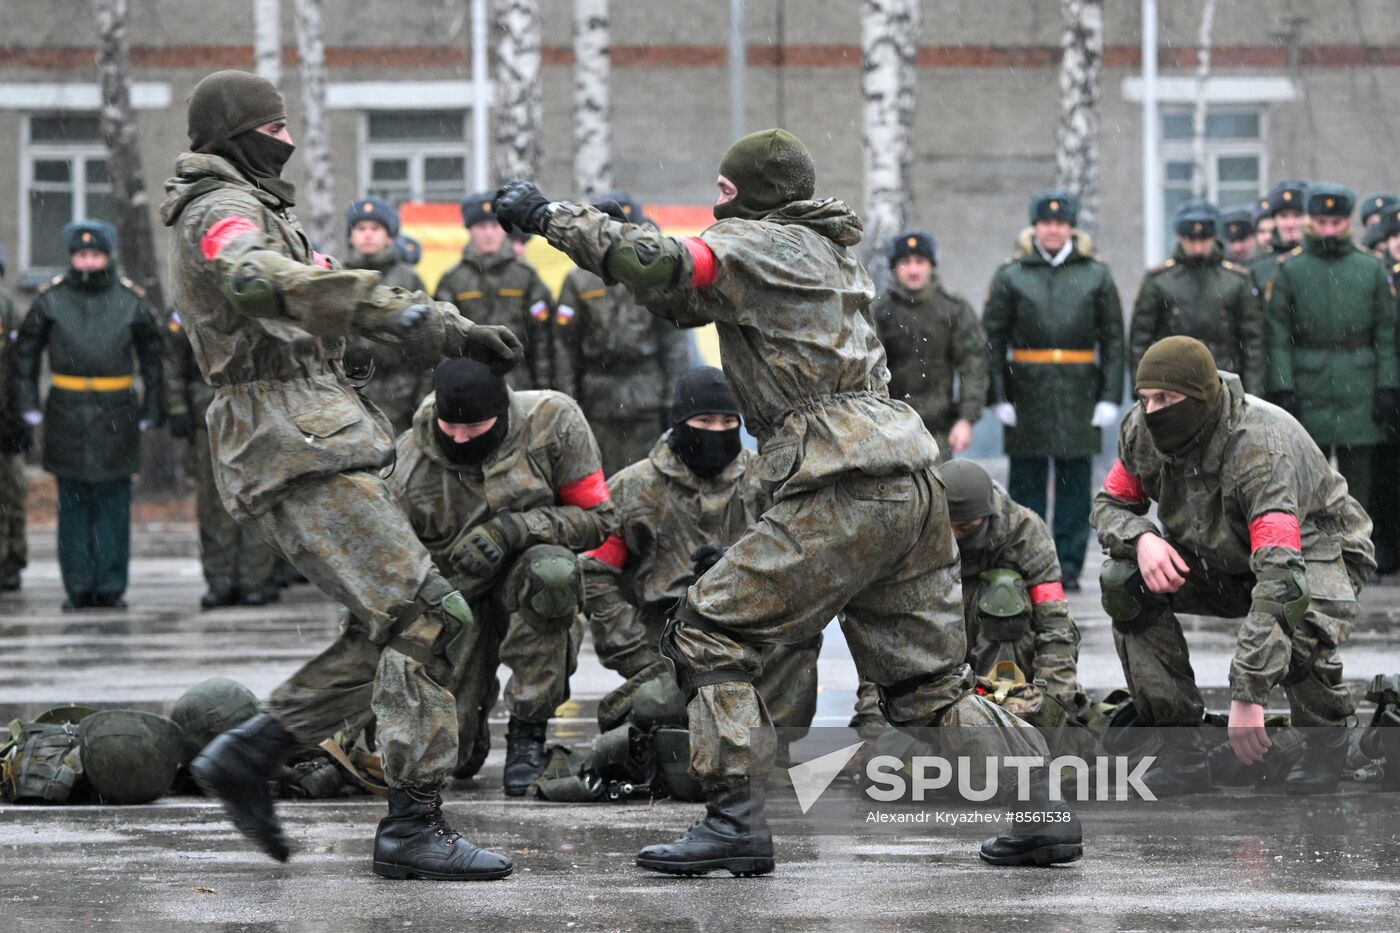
(1006, 413)
(1105, 415)
(144, 425)
(33, 418)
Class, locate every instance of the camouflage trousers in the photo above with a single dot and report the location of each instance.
(625, 440)
(1157, 663)
(878, 552)
(348, 536)
(231, 554)
(14, 549)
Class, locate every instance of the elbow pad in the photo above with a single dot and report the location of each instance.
(641, 266)
(251, 293)
(1292, 602)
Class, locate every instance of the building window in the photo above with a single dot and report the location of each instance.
(1235, 158)
(63, 177)
(415, 155)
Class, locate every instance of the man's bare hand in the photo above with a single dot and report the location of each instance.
(1163, 569)
(960, 436)
(1247, 735)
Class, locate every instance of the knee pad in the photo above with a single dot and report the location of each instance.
(1003, 608)
(1123, 592)
(552, 586)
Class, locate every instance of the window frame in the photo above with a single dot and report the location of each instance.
(416, 153)
(77, 154)
(1180, 150)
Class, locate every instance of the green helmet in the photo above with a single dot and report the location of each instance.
(61, 714)
(130, 756)
(209, 708)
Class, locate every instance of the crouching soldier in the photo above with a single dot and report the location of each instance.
(503, 488)
(1254, 522)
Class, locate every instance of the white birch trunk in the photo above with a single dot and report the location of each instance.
(592, 118)
(518, 104)
(311, 69)
(267, 40)
(1077, 137)
(889, 39)
(1198, 114)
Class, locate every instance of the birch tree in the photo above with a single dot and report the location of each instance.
(1077, 137)
(518, 104)
(267, 40)
(592, 118)
(311, 69)
(1198, 114)
(889, 39)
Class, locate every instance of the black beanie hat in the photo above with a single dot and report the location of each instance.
(468, 392)
(702, 391)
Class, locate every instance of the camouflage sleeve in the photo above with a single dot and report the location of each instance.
(1250, 314)
(619, 637)
(29, 348)
(568, 323)
(969, 345)
(1119, 514)
(1111, 344)
(583, 514)
(1383, 311)
(998, 317)
(176, 367)
(146, 337)
(1146, 321)
(1278, 307)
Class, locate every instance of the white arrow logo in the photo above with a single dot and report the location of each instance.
(811, 778)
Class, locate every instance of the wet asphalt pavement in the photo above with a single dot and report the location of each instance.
(1208, 862)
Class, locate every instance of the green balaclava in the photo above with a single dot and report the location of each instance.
(970, 497)
(1185, 365)
(225, 111)
(769, 169)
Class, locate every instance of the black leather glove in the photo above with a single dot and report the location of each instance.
(706, 556)
(16, 438)
(521, 204)
(1287, 400)
(613, 210)
(1385, 406)
(495, 345)
(181, 425)
(483, 551)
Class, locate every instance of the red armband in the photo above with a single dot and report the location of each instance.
(1121, 484)
(1047, 593)
(224, 232)
(1275, 529)
(320, 259)
(612, 552)
(585, 493)
(703, 260)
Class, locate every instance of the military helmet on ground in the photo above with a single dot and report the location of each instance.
(209, 708)
(130, 756)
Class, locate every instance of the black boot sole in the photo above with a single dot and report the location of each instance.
(1044, 855)
(515, 791)
(739, 867)
(274, 846)
(1307, 790)
(406, 873)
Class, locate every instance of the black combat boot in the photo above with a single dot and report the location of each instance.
(237, 769)
(219, 595)
(1319, 770)
(258, 595)
(525, 758)
(1183, 763)
(10, 582)
(1050, 837)
(414, 841)
(733, 835)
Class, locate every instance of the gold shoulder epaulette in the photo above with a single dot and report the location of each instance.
(140, 292)
(1235, 268)
(50, 283)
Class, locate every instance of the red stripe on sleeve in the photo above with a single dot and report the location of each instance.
(1047, 593)
(1121, 484)
(1275, 529)
(612, 552)
(585, 493)
(223, 233)
(320, 259)
(703, 275)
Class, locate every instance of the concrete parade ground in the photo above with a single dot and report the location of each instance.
(1264, 862)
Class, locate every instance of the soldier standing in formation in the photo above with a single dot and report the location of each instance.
(1201, 294)
(932, 336)
(1055, 336)
(619, 360)
(1373, 208)
(492, 285)
(1239, 236)
(15, 438)
(94, 324)
(1285, 205)
(1263, 228)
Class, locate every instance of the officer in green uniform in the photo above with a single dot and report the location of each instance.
(1373, 208)
(15, 437)
(1385, 494)
(1055, 335)
(1252, 523)
(239, 567)
(492, 285)
(1238, 226)
(1201, 294)
(504, 489)
(619, 360)
(1263, 229)
(394, 385)
(1331, 339)
(95, 326)
(859, 524)
(1284, 205)
(298, 455)
(931, 336)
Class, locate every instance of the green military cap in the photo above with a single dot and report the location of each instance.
(477, 207)
(1197, 220)
(1287, 196)
(1261, 210)
(914, 243)
(90, 234)
(1389, 224)
(1238, 224)
(1054, 205)
(1374, 205)
(1328, 200)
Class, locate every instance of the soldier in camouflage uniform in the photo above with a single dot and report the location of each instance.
(679, 510)
(616, 358)
(931, 335)
(859, 524)
(504, 488)
(394, 385)
(238, 565)
(1252, 521)
(1201, 294)
(1284, 207)
(494, 286)
(298, 455)
(15, 438)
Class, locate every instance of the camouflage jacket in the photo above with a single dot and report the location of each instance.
(186, 392)
(665, 512)
(547, 470)
(282, 409)
(1017, 539)
(498, 288)
(930, 336)
(617, 358)
(1210, 498)
(391, 382)
(791, 304)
